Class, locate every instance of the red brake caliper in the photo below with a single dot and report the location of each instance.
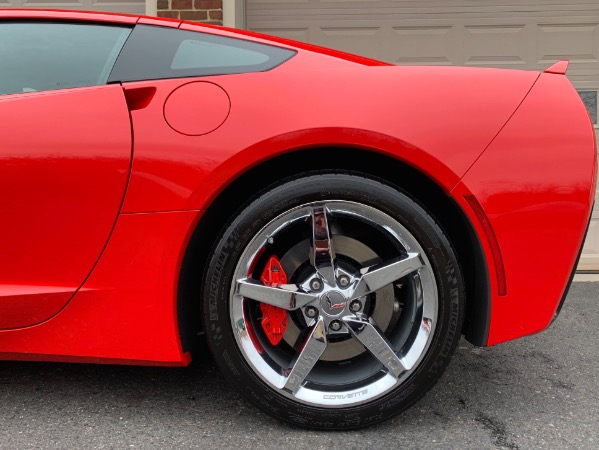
(274, 319)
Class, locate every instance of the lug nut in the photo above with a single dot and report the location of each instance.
(355, 306)
(343, 280)
(311, 312)
(315, 284)
(335, 325)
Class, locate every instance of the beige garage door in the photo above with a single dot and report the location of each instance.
(523, 34)
(132, 7)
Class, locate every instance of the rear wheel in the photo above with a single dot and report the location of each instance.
(333, 301)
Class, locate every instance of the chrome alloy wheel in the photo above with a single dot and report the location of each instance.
(361, 298)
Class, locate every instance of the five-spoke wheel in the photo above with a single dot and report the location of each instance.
(344, 301)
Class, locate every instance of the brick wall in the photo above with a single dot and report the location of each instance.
(209, 11)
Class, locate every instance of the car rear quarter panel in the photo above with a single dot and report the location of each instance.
(436, 119)
(536, 183)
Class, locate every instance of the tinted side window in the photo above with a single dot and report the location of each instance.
(37, 56)
(155, 52)
(195, 54)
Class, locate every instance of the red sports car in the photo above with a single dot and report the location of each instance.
(331, 224)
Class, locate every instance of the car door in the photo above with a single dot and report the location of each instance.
(65, 155)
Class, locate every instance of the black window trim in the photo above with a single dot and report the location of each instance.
(129, 66)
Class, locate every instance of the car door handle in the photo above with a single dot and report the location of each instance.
(138, 97)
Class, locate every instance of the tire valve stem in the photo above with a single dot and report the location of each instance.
(396, 306)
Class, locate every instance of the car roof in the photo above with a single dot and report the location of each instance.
(55, 14)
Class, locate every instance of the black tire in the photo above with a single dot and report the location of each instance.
(368, 218)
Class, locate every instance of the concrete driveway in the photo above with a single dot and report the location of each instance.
(538, 392)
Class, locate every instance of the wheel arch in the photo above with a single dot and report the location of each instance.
(392, 171)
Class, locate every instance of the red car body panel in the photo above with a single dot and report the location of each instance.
(538, 202)
(126, 311)
(169, 173)
(63, 181)
(49, 14)
(104, 288)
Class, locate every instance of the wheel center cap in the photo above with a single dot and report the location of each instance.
(333, 303)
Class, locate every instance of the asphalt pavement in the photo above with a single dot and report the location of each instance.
(538, 392)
